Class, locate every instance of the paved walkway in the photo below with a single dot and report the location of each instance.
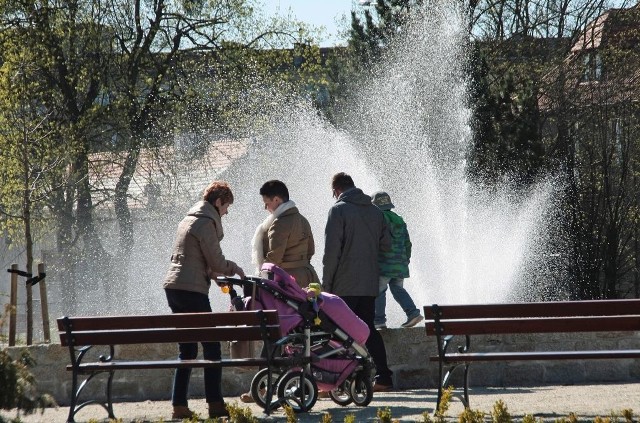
(546, 402)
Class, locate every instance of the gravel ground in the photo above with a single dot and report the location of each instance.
(546, 402)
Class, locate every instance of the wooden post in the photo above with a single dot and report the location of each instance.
(13, 304)
(44, 304)
(29, 314)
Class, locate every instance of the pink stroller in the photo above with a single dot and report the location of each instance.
(320, 326)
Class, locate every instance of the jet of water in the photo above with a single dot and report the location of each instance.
(407, 132)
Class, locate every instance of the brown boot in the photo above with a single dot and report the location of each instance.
(182, 412)
(218, 409)
(247, 398)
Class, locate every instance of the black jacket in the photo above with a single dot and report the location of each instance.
(355, 232)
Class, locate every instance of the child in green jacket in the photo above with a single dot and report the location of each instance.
(394, 266)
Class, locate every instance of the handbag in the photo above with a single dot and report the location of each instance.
(244, 349)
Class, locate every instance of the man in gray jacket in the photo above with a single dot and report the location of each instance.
(354, 234)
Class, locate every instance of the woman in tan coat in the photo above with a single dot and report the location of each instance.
(196, 259)
(284, 238)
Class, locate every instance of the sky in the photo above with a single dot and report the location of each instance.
(327, 13)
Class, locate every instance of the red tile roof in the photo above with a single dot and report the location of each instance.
(166, 171)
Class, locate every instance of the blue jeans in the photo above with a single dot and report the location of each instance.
(401, 296)
(193, 302)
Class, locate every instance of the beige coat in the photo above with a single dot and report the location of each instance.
(197, 256)
(289, 244)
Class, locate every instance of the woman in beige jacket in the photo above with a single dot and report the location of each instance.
(284, 238)
(196, 259)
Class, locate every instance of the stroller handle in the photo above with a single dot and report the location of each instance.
(248, 285)
(227, 280)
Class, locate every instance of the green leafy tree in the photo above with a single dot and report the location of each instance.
(113, 78)
(373, 30)
(592, 109)
(153, 43)
(506, 138)
(64, 48)
(30, 156)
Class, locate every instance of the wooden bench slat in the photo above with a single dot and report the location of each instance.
(176, 363)
(536, 325)
(448, 323)
(537, 355)
(170, 335)
(179, 320)
(79, 333)
(538, 309)
(167, 364)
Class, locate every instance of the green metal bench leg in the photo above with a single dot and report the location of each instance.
(74, 397)
(440, 387)
(465, 400)
(109, 399)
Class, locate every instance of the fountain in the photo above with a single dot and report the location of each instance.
(406, 133)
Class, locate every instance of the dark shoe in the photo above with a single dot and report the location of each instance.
(247, 398)
(380, 326)
(218, 409)
(412, 322)
(382, 388)
(182, 412)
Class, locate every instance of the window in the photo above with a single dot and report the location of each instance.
(592, 66)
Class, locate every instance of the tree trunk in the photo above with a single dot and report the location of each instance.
(26, 217)
(610, 259)
(123, 214)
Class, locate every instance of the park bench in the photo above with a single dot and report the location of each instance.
(451, 323)
(81, 334)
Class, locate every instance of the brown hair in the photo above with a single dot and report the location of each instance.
(218, 189)
(341, 181)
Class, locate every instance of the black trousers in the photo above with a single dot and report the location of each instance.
(365, 309)
(192, 302)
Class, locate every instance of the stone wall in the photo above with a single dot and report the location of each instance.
(407, 353)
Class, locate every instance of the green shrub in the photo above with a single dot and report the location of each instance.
(426, 417)
(350, 418)
(193, 419)
(614, 418)
(384, 415)
(471, 416)
(238, 414)
(443, 407)
(500, 414)
(326, 418)
(291, 415)
(444, 403)
(18, 384)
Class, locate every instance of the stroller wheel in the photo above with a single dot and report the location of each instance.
(361, 390)
(259, 387)
(290, 392)
(342, 395)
